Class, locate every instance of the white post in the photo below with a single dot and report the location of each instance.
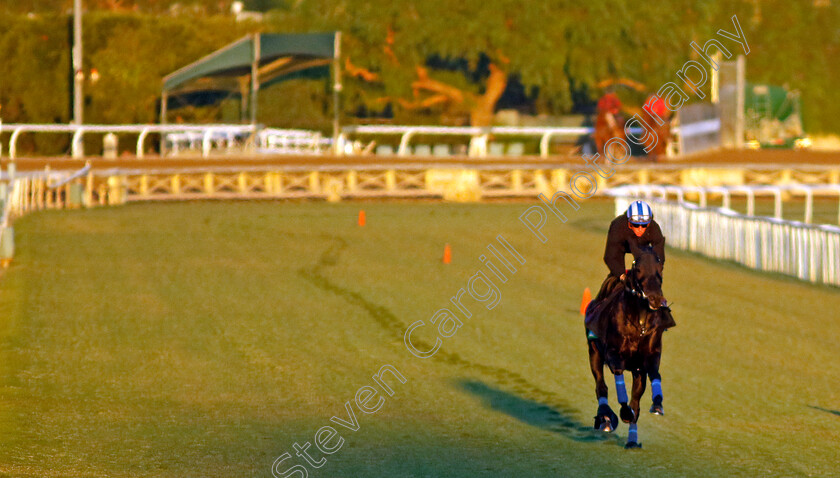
(140, 139)
(809, 205)
(750, 202)
(545, 143)
(77, 148)
(403, 150)
(13, 142)
(206, 143)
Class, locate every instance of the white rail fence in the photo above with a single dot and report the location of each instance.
(232, 138)
(808, 252)
(479, 138)
(202, 140)
(779, 193)
(19, 197)
(292, 141)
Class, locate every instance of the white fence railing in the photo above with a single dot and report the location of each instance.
(235, 138)
(792, 248)
(479, 137)
(807, 192)
(18, 195)
(183, 139)
(292, 141)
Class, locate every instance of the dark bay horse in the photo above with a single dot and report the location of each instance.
(624, 331)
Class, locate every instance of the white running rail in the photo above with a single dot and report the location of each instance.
(792, 248)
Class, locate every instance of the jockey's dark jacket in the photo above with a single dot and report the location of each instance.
(621, 240)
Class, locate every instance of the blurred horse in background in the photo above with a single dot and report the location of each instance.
(609, 124)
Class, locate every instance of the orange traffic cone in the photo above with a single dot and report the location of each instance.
(447, 254)
(587, 298)
(362, 218)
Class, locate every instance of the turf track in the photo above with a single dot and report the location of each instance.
(204, 339)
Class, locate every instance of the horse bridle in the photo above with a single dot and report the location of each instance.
(634, 287)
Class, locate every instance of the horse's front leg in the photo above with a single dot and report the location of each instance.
(605, 419)
(639, 383)
(627, 415)
(652, 368)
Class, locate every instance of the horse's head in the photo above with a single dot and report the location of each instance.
(646, 278)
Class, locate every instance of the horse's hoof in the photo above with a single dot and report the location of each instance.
(627, 414)
(613, 420)
(608, 416)
(632, 445)
(657, 409)
(606, 423)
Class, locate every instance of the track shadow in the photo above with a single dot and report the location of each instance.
(534, 413)
(826, 410)
(554, 413)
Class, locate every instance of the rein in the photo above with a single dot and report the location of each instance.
(633, 287)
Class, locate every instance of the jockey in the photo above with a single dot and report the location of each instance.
(629, 233)
(657, 106)
(610, 105)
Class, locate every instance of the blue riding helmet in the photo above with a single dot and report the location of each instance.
(639, 213)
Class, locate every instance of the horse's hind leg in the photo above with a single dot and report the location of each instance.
(652, 367)
(638, 391)
(605, 419)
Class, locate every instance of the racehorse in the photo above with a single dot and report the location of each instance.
(625, 331)
(609, 123)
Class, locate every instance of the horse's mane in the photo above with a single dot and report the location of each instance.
(646, 249)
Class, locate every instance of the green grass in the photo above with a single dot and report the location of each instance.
(204, 339)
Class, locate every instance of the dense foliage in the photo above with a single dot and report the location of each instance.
(430, 61)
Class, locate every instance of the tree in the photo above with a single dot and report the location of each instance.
(130, 84)
(388, 48)
(433, 61)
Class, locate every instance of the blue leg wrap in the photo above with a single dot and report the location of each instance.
(633, 435)
(656, 388)
(603, 401)
(620, 391)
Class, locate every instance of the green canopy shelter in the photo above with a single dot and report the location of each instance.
(257, 60)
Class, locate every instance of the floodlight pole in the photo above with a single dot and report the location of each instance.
(336, 90)
(78, 73)
(740, 71)
(255, 78)
(164, 102)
